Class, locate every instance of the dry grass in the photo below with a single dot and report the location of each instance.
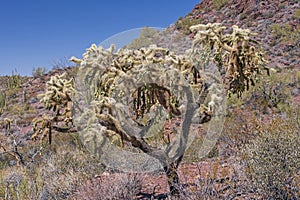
(53, 173)
(110, 187)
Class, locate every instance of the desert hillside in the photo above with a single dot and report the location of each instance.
(256, 156)
(276, 23)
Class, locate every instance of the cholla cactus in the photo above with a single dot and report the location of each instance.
(42, 126)
(147, 77)
(152, 77)
(58, 97)
(58, 94)
(237, 54)
(108, 68)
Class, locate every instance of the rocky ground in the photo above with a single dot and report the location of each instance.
(258, 16)
(224, 172)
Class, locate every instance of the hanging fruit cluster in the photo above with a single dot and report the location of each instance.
(237, 54)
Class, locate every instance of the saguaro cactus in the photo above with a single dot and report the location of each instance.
(2, 101)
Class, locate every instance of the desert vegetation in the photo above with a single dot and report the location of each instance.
(218, 4)
(62, 130)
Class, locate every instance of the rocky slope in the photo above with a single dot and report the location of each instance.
(277, 23)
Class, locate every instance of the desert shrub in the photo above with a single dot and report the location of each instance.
(296, 14)
(216, 180)
(146, 38)
(239, 127)
(39, 72)
(64, 171)
(185, 23)
(273, 92)
(270, 94)
(109, 187)
(12, 183)
(218, 4)
(49, 173)
(272, 159)
(285, 33)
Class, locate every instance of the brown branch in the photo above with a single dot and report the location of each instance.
(134, 140)
(15, 153)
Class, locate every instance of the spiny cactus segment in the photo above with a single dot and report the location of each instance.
(103, 71)
(42, 126)
(237, 54)
(58, 98)
(58, 94)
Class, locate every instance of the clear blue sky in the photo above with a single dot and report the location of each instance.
(37, 32)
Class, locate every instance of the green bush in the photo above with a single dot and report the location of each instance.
(273, 159)
(184, 24)
(147, 37)
(296, 14)
(218, 4)
(63, 172)
(39, 72)
(273, 93)
(285, 33)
